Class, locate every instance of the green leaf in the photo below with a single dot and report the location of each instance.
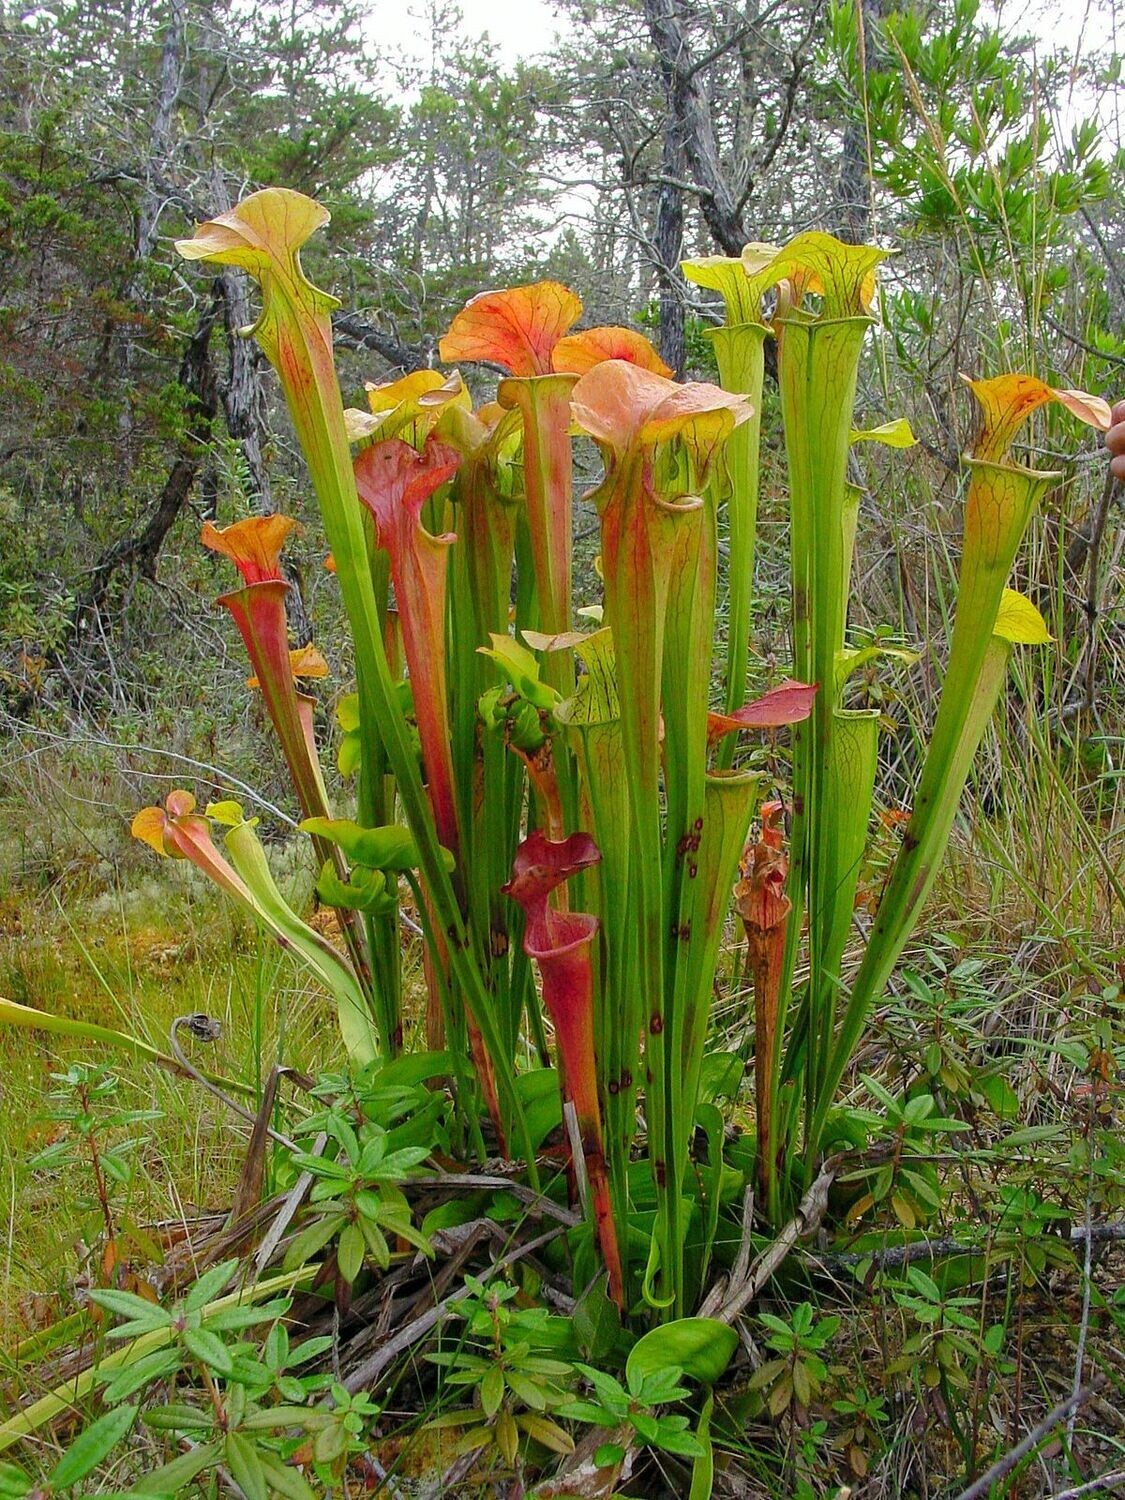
(143, 1316)
(491, 1391)
(246, 1467)
(703, 1470)
(700, 1347)
(597, 1322)
(14, 1483)
(586, 1411)
(391, 847)
(283, 1478)
(673, 1441)
(544, 1431)
(92, 1446)
(609, 1391)
(209, 1285)
(155, 1366)
(178, 1416)
(350, 1252)
(311, 1240)
(270, 1418)
(209, 1349)
(244, 1316)
(609, 1455)
(174, 1477)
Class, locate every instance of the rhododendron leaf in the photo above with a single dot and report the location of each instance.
(579, 352)
(253, 545)
(1020, 622)
(788, 703)
(896, 434)
(517, 328)
(1006, 402)
(388, 848)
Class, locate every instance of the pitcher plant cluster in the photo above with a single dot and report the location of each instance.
(551, 781)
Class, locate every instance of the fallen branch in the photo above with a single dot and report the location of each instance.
(895, 1256)
(728, 1303)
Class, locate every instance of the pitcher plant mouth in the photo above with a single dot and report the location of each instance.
(570, 804)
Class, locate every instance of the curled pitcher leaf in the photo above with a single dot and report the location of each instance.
(737, 279)
(253, 545)
(842, 275)
(408, 408)
(1006, 401)
(394, 482)
(579, 352)
(624, 407)
(178, 830)
(263, 235)
(517, 327)
(561, 942)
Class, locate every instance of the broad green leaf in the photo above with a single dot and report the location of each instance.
(146, 1315)
(209, 1285)
(388, 848)
(142, 1371)
(350, 1252)
(14, 1483)
(700, 1347)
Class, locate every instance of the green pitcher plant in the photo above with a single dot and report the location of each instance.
(542, 772)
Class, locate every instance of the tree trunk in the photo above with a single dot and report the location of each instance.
(669, 241)
(692, 110)
(853, 216)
